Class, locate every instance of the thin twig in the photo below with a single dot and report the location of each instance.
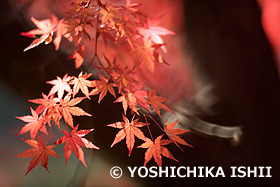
(95, 47)
(148, 127)
(133, 117)
(155, 122)
(49, 134)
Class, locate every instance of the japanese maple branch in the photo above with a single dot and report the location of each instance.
(96, 39)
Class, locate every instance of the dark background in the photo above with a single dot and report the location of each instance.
(229, 48)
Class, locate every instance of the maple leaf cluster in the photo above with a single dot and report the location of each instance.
(59, 104)
(96, 21)
(108, 22)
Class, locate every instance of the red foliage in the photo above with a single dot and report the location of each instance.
(74, 141)
(128, 130)
(155, 149)
(271, 24)
(40, 151)
(139, 40)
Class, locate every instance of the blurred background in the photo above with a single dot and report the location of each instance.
(227, 50)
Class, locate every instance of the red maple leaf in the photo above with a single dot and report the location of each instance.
(111, 66)
(126, 28)
(81, 9)
(78, 56)
(60, 85)
(46, 29)
(54, 114)
(81, 83)
(128, 100)
(44, 103)
(146, 53)
(105, 34)
(48, 106)
(122, 76)
(78, 28)
(140, 95)
(156, 102)
(122, 20)
(132, 7)
(68, 109)
(109, 14)
(154, 33)
(40, 151)
(61, 31)
(173, 134)
(74, 141)
(34, 124)
(102, 87)
(156, 149)
(128, 130)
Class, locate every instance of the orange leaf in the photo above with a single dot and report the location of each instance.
(173, 134)
(81, 83)
(44, 103)
(155, 150)
(78, 56)
(46, 29)
(35, 123)
(140, 95)
(156, 102)
(102, 87)
(154, 33)
(61, 31)
(60, 85)
(122, 76)
(67, 109)
(145, 54)
(49, 107)
(74, 141)
(128, 99)
(40, 151)
(128, 130)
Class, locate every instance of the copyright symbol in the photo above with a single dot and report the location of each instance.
(116, 172)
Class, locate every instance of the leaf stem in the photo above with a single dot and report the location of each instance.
(67, 127)
(49, 134)
(148, 127)
(133, 117)
(155, 122)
